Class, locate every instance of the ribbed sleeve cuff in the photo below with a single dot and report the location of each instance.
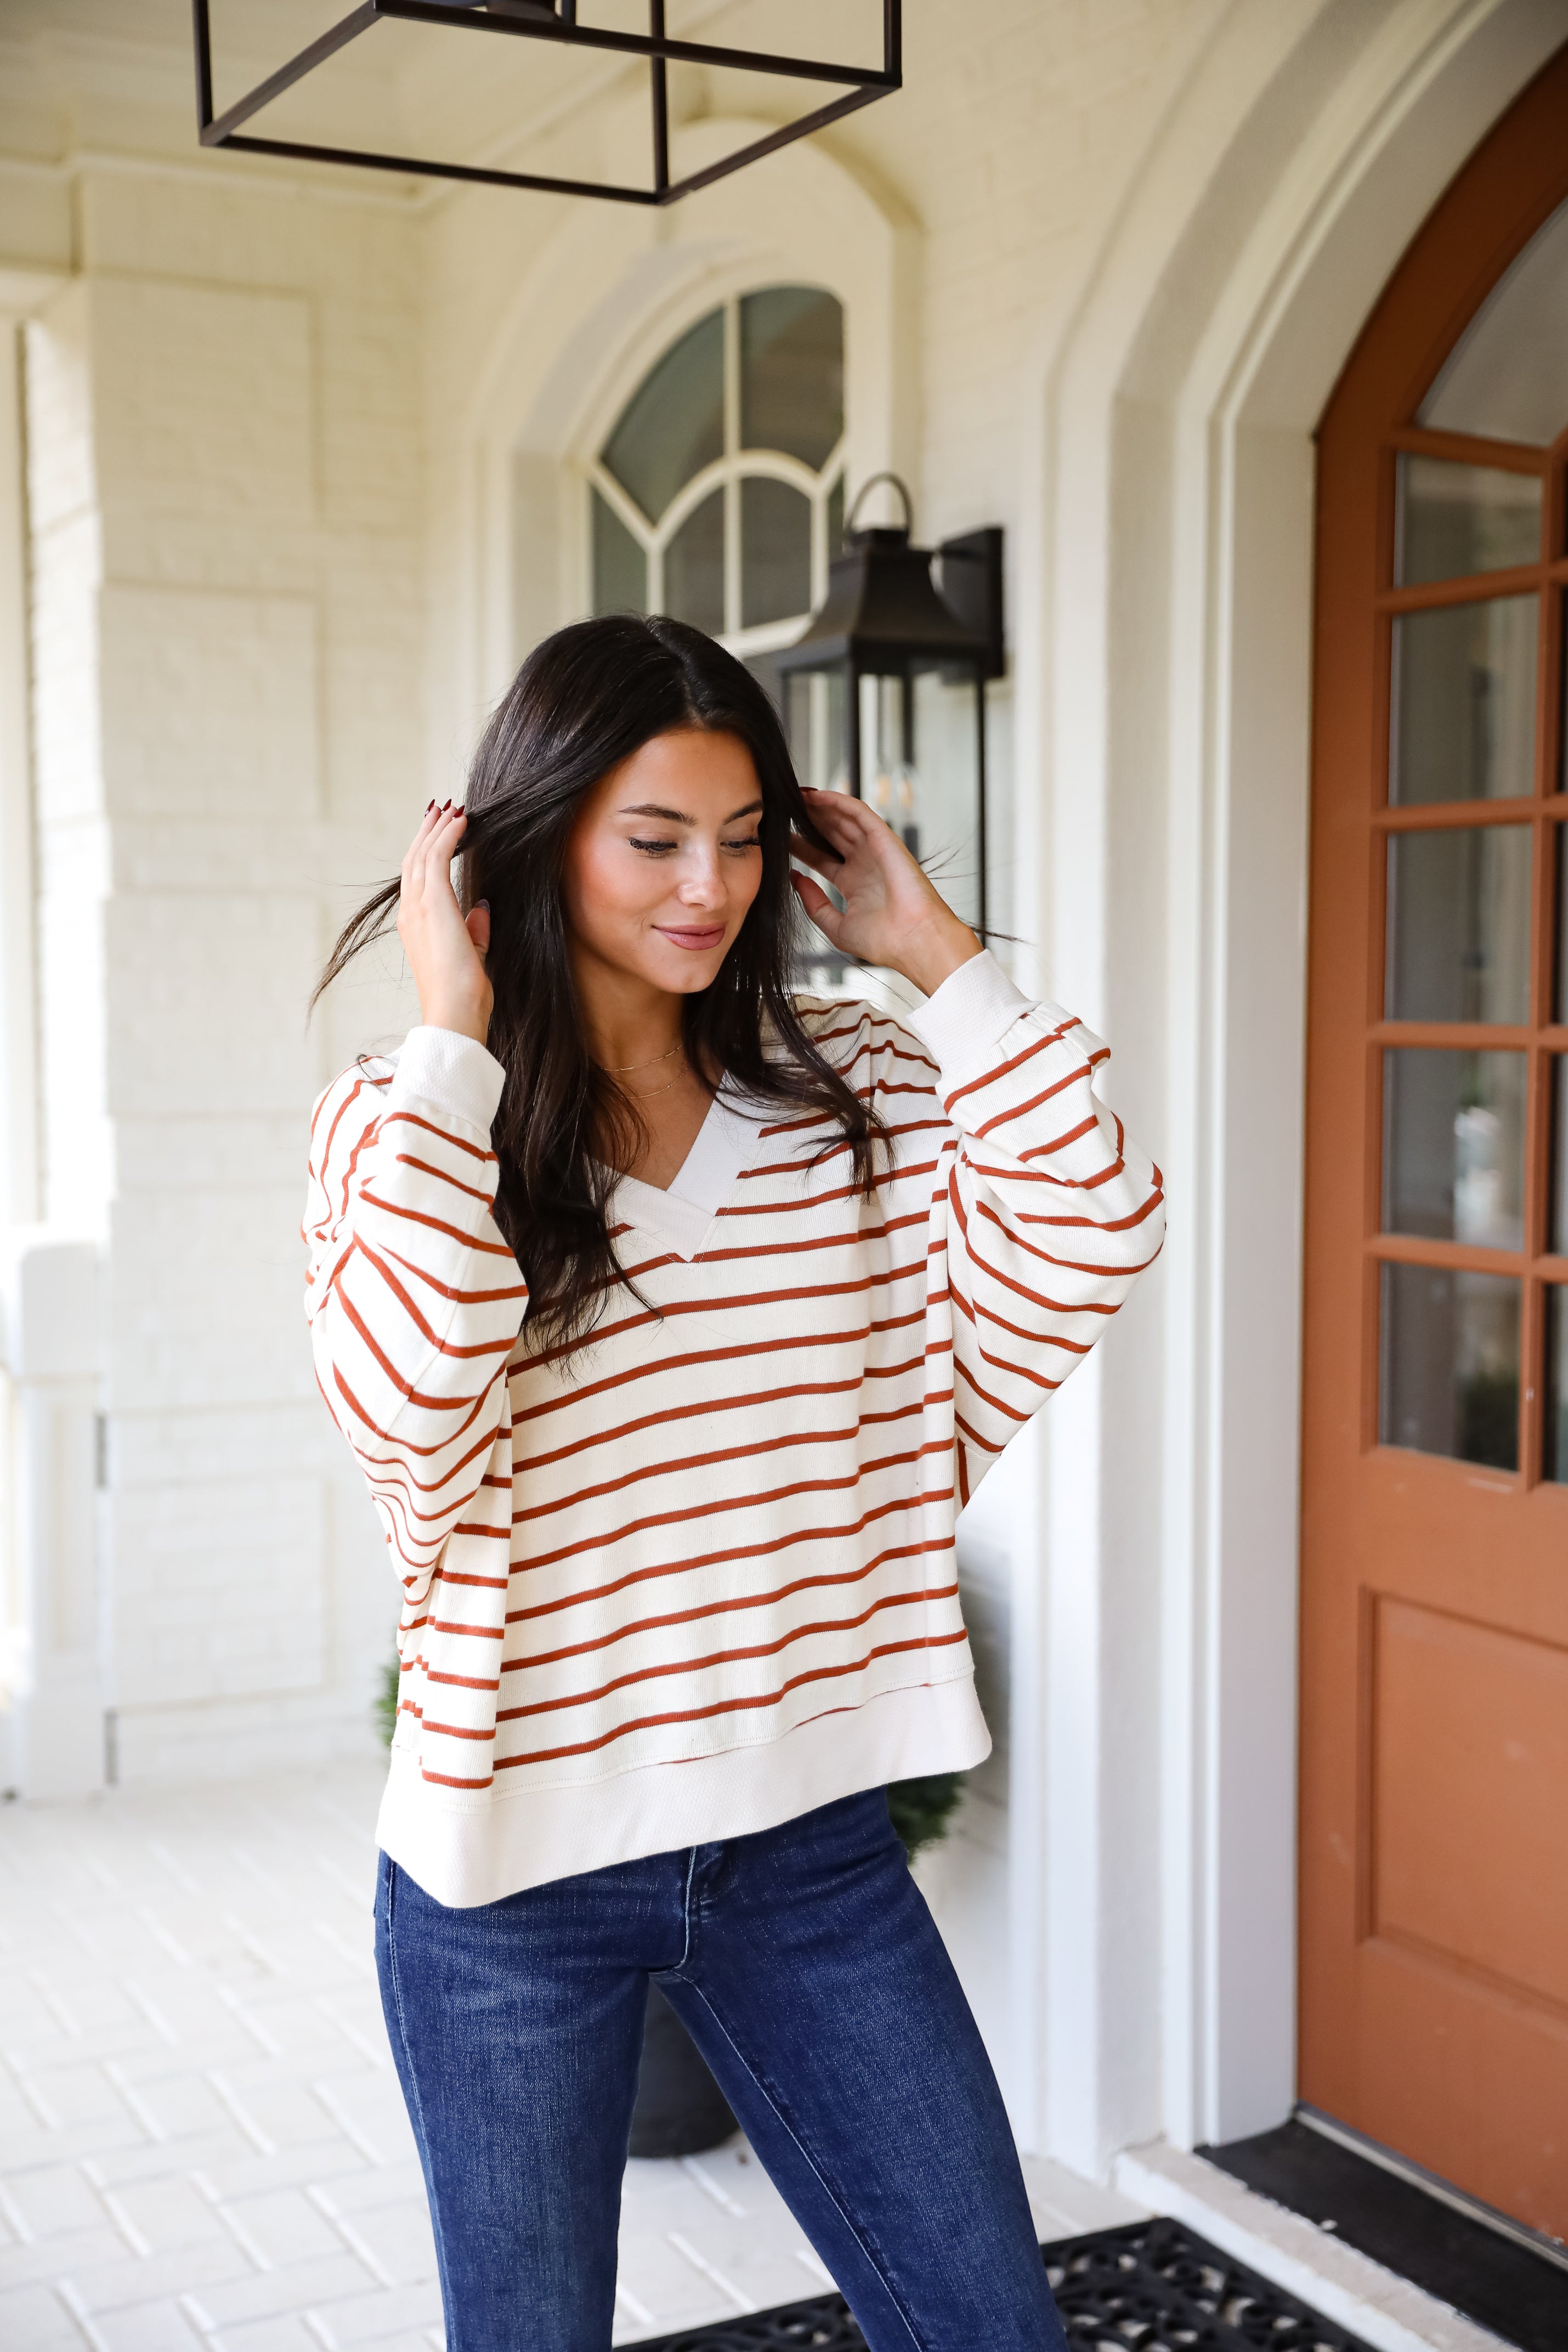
(451, 1073)
(974, 1007)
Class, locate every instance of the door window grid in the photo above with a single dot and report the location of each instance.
(1535, 1274)
(693, 559)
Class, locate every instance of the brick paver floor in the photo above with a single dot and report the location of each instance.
(203, 2147)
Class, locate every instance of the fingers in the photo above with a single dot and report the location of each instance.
(440, 816)
(433, 812)
(434, 846)
(842, 813)
(860, 832)
(823, 861)
(827, 811)
(855, 833)
(859, 845)
(817, 904)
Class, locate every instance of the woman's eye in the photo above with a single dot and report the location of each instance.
(667, 848)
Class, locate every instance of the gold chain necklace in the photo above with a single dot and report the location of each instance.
(620, 1069)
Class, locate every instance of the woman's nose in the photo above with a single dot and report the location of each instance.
(701, 884)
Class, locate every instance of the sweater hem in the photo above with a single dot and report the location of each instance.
(463, 1857)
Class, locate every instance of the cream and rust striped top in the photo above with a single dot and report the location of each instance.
(702, 1577)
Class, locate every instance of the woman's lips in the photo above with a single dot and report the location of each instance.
(693, 936)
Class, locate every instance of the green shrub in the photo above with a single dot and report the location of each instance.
(921, 1810)
(383, 1707)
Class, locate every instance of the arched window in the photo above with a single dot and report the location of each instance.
(719, 490)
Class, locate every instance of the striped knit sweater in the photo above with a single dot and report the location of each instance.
(701, 1576)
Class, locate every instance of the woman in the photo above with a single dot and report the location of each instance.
(673, 1319)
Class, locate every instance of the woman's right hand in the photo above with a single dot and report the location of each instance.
(445, 954)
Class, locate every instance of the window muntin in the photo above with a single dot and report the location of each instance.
(719, 490)
(673, 425)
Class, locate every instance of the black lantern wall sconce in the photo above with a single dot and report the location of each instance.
(884, 695)
(563, 23)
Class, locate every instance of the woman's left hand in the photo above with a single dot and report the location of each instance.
(892, 915)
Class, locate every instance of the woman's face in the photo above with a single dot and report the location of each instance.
(664, 862)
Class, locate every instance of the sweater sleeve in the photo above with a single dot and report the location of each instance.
(1049, 1212)
(413, 1297)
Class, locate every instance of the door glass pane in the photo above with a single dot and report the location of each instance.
(792, 375)
(1464, 703)
(1558, 1240)
(1450, 1350)
(775, 552)
(946, 793)
(814, 718)
(673, 425)
(1557, 1383)
(1453, 520)
(1458, 925)
(694, 567)
(1507, 377)
(620, 566)
(1453, 1157)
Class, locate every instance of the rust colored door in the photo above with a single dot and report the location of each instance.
(1434, 2007)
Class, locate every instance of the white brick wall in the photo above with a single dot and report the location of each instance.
(217, 703)
(224, 450)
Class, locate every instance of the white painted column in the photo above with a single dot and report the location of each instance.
(19, 1171)
(18, 1011)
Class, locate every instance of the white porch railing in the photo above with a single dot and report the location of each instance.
(52, 1680)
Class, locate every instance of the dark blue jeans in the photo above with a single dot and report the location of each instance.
(806, 1967)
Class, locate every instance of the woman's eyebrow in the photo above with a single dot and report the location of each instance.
(679, 816)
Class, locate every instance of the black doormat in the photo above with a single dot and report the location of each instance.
(1520, 2295)
(1151, 2286)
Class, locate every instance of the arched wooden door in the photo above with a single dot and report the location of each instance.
(1434, 2006)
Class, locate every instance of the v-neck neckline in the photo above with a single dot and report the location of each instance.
(681, 1212)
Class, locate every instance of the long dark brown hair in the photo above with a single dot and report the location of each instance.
(585, 700)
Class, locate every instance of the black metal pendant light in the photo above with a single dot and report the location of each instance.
(883, 632)
(557, 21)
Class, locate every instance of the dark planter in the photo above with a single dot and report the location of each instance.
(680, 2109)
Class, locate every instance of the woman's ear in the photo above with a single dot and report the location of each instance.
(478, 923)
